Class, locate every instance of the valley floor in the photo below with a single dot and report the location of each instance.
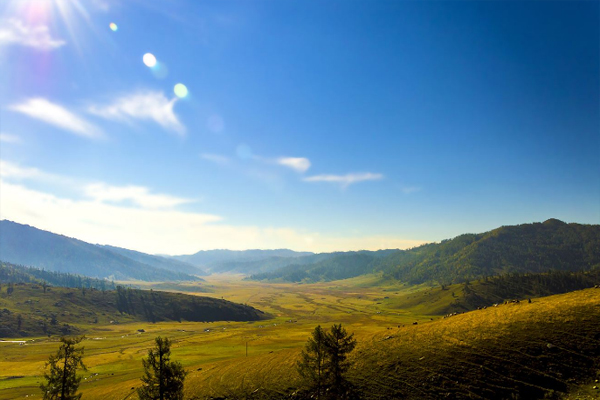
(381, 316)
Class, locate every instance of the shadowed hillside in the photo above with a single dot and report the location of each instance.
(20, 274)
(29, 309)
(26, 245)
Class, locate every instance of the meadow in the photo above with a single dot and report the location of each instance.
(394, 357)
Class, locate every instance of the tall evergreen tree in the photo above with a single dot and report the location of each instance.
(323, 361)
(338, 344)
(163, 378)
(62, 381)
(313, 362)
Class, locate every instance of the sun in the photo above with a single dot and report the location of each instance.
(72, 14)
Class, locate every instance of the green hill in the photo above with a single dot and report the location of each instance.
(529, 248)
(29, 309)
(327, 267)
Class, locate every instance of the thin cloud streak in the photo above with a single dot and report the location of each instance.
(345, 180)
(298, 164)
(145, 106)
(137, 195)
(14, 32)
(8, 138)
(13, 171)
(57, 115)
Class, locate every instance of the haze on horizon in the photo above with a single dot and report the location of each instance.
(313, 126)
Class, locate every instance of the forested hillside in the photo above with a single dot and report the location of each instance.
(332, 266)
(26, 245)
(20, 274)
(529, 248)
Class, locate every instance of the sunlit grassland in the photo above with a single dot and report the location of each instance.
(114, 352)
(381, 316)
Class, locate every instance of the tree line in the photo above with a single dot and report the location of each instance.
(13, 273)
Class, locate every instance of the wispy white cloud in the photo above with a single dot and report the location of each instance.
(148, 106)
(298, 164)
(14, 171)
(15, 32)
(99, 192)
(8, 138)
(345, 180)
(165, 231)
(215, 158)
(137, 195)
(57, 115)
(153, 223)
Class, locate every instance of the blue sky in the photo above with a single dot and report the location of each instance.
(311, 125)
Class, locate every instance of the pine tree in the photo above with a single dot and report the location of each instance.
(62, 381)
(163, 378)
(313, 363)
(323, 361)
(339, 344)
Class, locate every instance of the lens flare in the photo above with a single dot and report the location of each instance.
(113, 27)
(180, 90)
(149, 60)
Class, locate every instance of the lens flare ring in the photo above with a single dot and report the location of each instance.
(149, 59)
(180, 90)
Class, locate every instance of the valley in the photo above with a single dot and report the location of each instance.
(394, 357)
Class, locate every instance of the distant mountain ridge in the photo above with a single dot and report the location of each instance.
(241, 261)
(528, 248)
(157, 261)
(26, 245)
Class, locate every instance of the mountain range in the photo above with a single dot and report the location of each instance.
(26, 245)
(528, 248)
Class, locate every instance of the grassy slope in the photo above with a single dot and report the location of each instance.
(527, 350)
(510, 342)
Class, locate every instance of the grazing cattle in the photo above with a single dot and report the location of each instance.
(415, 323)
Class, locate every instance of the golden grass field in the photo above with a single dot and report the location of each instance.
(214, 354)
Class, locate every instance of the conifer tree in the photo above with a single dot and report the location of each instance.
(338, 344)
(62, 381)
(313, 362)
(163, 378)
(323, 361)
